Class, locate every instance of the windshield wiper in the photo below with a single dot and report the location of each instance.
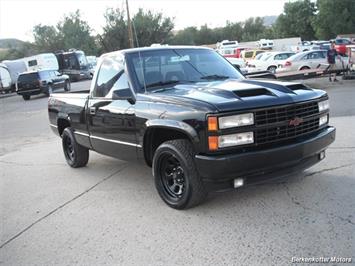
(165, 83)
(161, 83)
(215, 77)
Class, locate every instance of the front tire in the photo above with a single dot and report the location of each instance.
(272, 69)
(75, 154)
(176, 177)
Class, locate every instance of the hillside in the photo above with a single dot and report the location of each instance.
(11, 43)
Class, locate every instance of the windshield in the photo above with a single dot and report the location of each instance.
(171, 66)
(266, 57)
(28, 77)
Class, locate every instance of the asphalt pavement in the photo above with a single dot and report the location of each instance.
(109, 212)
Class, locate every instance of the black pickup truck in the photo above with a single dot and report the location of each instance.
(191, 116)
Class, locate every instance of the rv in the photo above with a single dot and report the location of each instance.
(47, 61)
(74, 64)
(5, 79)
(15, 68)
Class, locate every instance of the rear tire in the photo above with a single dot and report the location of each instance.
(67, 85)
(176, 177)
(304, 68)
(26, 97)
(75, 154)
(272, 69)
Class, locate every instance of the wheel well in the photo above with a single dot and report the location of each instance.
(272, 66)
(304, 67)
(62, 124)
(156, 136)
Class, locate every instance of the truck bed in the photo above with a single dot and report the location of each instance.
(68, 106)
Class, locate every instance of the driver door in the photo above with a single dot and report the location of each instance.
(112, 123)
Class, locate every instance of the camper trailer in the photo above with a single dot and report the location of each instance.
(47, 61)
(5, 79)
(74, 64)
(15, 68)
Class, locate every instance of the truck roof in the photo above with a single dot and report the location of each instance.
(155, 48)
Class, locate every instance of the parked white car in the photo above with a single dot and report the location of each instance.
(268, 61)
(310, 60)
(237, 62)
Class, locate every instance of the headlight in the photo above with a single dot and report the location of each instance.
(323, 120)
(235, 139)
(323, 105)
(236, 120)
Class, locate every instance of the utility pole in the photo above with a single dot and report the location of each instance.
(130, 33)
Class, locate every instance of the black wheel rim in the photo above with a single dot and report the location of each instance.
(69, 149)
(172, 176)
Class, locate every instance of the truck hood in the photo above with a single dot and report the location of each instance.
(231, 95)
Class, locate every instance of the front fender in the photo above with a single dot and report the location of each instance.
(175, 125)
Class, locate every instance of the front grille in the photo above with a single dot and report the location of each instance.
(273, 123)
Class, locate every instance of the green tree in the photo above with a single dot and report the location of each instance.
(148, 28)
(76, 33)
(151, 27)
(71, 32)
(334, 17)
(185, 37)
(296, 20)
(233, 31)
(115, 34)
(47, 38)
(253, 29)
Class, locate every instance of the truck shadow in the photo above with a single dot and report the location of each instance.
(136, 176)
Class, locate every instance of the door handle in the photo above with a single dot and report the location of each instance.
(92, 110)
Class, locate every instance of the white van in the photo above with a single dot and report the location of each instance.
(265, 44)
(226, 44)
(47, 61)
(5, 79)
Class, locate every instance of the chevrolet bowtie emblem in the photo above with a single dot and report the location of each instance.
(295, 122)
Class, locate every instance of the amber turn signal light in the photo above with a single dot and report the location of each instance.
(213, 143)
(212, 123)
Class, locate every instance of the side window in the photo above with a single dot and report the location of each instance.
(278, 57)
(248, 54)
(32, 63)
(111, 77)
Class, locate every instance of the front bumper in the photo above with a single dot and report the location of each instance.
(219, 172)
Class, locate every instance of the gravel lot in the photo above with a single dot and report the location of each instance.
(109, 213)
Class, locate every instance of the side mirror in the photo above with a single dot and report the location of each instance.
(124, 94)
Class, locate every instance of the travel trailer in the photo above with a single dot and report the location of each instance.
(15, 68)
(5, 79)
(47, 61)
